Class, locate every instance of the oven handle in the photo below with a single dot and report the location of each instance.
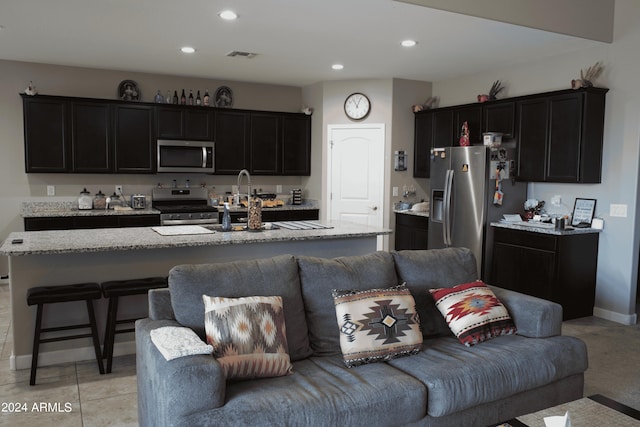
(189, 221)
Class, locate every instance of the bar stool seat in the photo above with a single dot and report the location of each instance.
(42, 295)
(121, 288)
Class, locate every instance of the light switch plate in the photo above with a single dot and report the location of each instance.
(51, 190)
(618, 210)
(395, 191)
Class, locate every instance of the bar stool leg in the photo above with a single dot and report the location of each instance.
(110, 335)
(36, 345)
(94, 335)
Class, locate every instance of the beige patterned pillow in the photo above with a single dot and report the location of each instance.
(248, 336)
(377, 324)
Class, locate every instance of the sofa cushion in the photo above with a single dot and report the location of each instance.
(262, 277)
(459, 377)
(248, 336)
(435, 268)
(319, 276)
(473, 312)
(377, 324)
(321, 392)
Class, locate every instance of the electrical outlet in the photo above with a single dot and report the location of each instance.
(556, 200)
(51, 190)
(279, 189)
(618, 210)
(119, 189)
(395, 191)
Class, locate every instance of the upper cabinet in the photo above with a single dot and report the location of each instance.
(179, 122)
(80, 135)
(558, 134)
(561, 136)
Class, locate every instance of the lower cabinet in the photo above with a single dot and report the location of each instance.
(560, 268)
(273, 216)
(73, 222)
(412, 232)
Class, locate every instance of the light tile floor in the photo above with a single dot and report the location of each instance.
(111, 400)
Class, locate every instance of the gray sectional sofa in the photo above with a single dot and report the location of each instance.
(446, 384)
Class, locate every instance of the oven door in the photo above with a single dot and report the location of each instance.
(185, 156)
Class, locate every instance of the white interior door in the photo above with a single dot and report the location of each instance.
(356, 173)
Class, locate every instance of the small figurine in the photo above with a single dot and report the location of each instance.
(307, 110)
(586, 78)
(464, 135)
(496, 88)
(431, 102)
(31, 89)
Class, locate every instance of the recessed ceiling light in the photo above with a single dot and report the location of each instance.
(187, 49)
(337, 66)
(408, 43)
(228, 15)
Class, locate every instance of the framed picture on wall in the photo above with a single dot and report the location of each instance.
(583, 211)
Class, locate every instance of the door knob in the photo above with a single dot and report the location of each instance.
(375, 208)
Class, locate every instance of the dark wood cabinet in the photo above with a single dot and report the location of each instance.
(472, 114)
(134, 139)
(412, 232)
(561, 136)
(423, 136)
(443, 134)
(46, 134)
(500, 116)
(296, 145)
(273, 216)
(91, 137)
(180, 122)
(560, 268)
(92, 221)
(266, 146)
(232, 142)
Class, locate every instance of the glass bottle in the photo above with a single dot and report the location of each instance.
(254, 222)
(175, 96)
(167, 99)
(159, 98)
(206, 98)
(190, 97)
(226, 218)
(198, 99)
(183, 98)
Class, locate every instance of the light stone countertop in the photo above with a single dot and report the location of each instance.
(532, 229)
(70, 209)
(120, 239)
(410, 212)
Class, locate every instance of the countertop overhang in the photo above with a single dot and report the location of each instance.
(138, 238)
(541, 230)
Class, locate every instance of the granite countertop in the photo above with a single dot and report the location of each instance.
(67, 209)
(119, 239)
(410, 212)
(532, 229)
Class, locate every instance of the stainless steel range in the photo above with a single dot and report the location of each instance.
(179, 206)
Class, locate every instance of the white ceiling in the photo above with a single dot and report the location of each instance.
(297, 41)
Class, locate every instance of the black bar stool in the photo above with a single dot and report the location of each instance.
(42, 295)
(121, 288)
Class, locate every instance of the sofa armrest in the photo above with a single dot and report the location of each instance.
(170, 390)
(160, 304)
(534, 317)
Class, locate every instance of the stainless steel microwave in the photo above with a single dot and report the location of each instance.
(185, 156)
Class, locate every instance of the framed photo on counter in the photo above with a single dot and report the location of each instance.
(583, 211)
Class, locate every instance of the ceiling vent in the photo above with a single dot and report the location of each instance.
(240, 54)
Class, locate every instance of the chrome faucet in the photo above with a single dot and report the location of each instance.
(245, 172)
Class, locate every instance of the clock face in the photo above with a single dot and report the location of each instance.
(357, 106)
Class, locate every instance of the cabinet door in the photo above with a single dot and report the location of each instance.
(565, 124)
(265, 144)
(179, 122)
(532, 128)
(134, 139)
(443, 135)
(230, 130)
(522, 269)
(170, 123)
(500, 117)
(296, 145)
(422, 144)
(473, 116)
(91, 145)
(45, 135)
(198, 124)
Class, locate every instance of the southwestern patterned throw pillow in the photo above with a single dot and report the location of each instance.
(473, 312)
(248, 336)
(377, 324)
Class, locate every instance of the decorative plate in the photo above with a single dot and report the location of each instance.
(128, 90)
(224, 97)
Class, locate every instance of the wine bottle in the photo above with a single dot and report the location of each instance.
(206, 97)
(168, 98)
(183, 98)
(198, 99)
(190, 97)
(175, 96)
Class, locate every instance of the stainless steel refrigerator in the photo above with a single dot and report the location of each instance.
(464, 198)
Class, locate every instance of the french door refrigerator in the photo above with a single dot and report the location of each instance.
(464, 198)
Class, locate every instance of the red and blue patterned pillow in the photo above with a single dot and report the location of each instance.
(473, 312)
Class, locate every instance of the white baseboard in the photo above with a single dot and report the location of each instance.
(625, 319)
(70, 355)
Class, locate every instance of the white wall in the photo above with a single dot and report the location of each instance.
(618, 250)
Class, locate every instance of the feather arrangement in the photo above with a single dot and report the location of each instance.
(587, 77)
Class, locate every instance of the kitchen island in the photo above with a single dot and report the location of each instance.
(60, 257)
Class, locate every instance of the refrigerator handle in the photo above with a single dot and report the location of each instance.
(446, 226)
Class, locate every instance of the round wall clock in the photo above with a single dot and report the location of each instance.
(357, 106)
